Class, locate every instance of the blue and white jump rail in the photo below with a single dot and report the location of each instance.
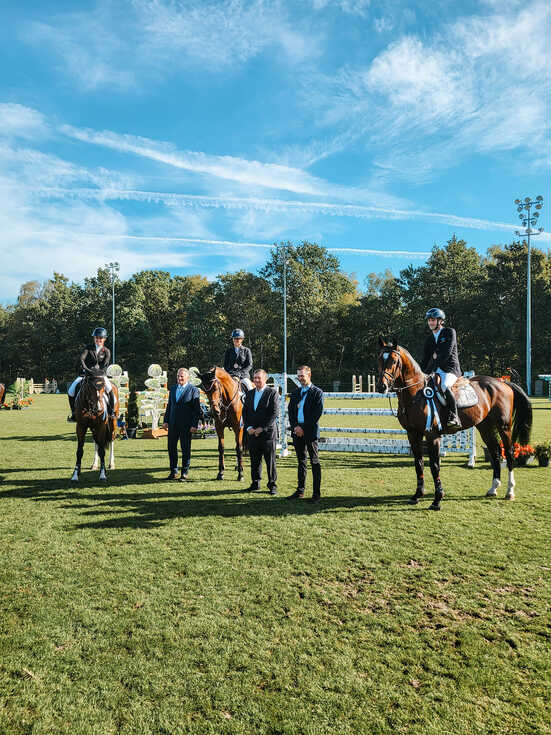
(461, 442)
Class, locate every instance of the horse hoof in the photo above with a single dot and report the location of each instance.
(492, 493)
(434, 506)
(239, 478)
(219, 477)
(510, 496)
(414, 500)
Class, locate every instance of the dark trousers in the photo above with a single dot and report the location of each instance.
(183, 435)
(301, 448)
(258, 448)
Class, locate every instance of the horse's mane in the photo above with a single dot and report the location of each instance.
(415, 365)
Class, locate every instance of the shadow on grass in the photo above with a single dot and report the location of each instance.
(108, 508)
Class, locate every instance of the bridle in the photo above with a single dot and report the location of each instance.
(91, 409)
(222, 407)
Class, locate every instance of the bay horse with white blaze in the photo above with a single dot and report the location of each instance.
(225, 402)
(503, 411)
(91, 413)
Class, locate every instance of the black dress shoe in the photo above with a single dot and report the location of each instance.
(314, 499)
(172, 476)
(296, 495)
(273, 491)
(183, 477)
(252, 489)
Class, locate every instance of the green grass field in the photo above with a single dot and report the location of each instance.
(146, 606)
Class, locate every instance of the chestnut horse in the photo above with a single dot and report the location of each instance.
(91, 413)
(503, 410)
(223, 394)
(2, 393)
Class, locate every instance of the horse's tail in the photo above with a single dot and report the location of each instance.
(522, 409)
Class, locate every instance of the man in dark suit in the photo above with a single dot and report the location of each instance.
(440, 356)
(238, 360)
(260, 412)
(182, 416)
(305, 411)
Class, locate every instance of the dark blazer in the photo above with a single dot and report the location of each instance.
(313, 410)
(184, 413)
(90, 359)
(243, 359)
(447, 358)
(266, 412)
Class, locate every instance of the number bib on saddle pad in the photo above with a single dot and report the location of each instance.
(465, 394)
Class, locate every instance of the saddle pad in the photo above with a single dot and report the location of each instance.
(465, 394)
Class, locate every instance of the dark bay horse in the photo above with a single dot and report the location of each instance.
(223, 394)
(91, 413)
(503, 411)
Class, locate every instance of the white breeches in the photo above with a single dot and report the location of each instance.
(73, 386)
(448, 379)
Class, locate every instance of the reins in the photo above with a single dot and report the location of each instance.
(224, 407)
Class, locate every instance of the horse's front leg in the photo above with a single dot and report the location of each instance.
(434, 457)
(416, 444)
(112, 454)
(221, 466)
(102, 473)
(487, 432)
(96, 457)
(239, 453)
(81, 433)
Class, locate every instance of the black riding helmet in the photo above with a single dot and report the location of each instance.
(435, 314)
(100, 332)
(238, 334)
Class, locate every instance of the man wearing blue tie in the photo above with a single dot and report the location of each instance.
(305, 411)
(260, 412)
(182, 416)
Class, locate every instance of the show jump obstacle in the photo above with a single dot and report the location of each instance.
(461, 442)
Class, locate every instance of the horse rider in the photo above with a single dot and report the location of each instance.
(238, 360)
(94, 356)
(440, 356)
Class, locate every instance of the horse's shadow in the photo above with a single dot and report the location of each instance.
(108, 507)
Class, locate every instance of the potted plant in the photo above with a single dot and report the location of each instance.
(132, 415)
(543, 453)
(522, 453)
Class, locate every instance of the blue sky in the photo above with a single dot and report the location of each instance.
(169, 133)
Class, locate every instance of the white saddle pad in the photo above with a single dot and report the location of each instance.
(465, 394)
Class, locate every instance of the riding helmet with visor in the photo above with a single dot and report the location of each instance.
(238, 334)
(100, 332)
(435, 314)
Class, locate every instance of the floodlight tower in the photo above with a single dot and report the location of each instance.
(529, 220)
(113, 269)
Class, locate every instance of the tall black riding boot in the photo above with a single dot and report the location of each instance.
(453, 418)
(72, 407)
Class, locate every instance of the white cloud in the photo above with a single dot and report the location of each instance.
(20, 121)
(249, 173)
(122, 44)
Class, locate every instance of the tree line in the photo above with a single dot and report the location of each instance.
(333, 323)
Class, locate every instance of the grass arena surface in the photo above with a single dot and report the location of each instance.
(146, 606)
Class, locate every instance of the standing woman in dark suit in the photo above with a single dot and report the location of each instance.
(238, 360)
(260, 414)
(440, 356)
(182, 416)
(305, 410)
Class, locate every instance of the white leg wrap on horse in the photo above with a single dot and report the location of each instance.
(510, 495)
(74, 478)
(102, 475)
(112, 456)
(492, 492)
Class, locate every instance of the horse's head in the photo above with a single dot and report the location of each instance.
(390, 364)
(96, 379)
(213, 389)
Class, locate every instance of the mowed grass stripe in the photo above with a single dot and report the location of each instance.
(156, 607)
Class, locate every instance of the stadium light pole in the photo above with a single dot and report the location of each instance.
(284, 450)
(529, 220)
(113, 269)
